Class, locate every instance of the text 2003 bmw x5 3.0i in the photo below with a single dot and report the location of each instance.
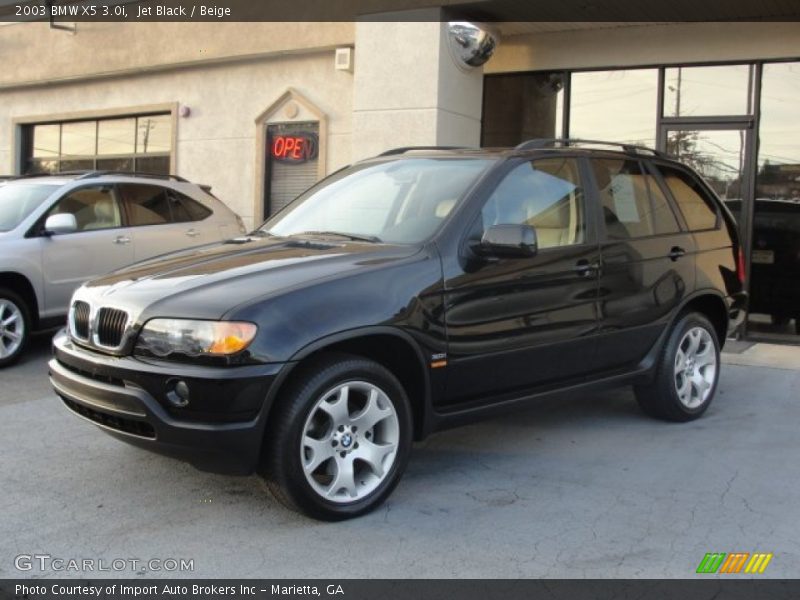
(404, 294)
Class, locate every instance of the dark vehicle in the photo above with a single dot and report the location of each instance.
(408, 293)
(775, 259)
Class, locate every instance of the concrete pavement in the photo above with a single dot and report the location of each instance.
(586, 487)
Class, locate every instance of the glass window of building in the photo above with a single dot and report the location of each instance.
(116, 136)
(154, 134)
(775, 248)
(136, 143)
(615, 106)
(708, 91)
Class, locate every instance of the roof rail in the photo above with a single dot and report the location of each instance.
(404, 149)
(549, 142)
(91, 174)
(48, 174)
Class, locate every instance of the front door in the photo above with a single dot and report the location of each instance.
(101, 244)
(515, 324)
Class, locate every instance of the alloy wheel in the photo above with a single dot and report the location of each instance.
(350, 441)
(695, 367)
(12, 328)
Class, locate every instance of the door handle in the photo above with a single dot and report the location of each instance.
(676, 252)
(122, 239)
(584, 268)
(192, 233)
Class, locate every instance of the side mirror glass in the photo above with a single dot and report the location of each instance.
(508, 241)
(58, 224)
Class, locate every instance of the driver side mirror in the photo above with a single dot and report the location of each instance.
(508, 241)
(61, 223)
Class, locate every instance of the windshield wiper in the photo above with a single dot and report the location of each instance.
(350, 236)
(259, 233)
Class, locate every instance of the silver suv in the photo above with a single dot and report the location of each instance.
(57, 231)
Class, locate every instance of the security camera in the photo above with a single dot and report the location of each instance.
(471, 45)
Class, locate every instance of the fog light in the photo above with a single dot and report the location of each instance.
(178, 393)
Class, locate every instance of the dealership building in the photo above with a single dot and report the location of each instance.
(260, 111)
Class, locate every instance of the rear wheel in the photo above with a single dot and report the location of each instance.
(340, 439)
(14, 327)
(687, 374)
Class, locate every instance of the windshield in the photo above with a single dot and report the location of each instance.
(18, 200)
(401, 201)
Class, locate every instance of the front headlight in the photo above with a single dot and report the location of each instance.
(162, 337)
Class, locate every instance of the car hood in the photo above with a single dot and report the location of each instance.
(209, 281)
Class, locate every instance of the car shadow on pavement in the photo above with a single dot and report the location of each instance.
(38, 348)
(457, 459)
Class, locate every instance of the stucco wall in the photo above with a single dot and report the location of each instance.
(32, 52)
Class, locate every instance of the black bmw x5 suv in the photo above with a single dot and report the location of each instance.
(405, 294)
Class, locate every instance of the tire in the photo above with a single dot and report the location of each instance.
(688, 372)
(15, 327)
(313, 440)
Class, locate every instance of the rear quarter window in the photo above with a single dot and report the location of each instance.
(698, 209)
(185, 209)
(146, 204)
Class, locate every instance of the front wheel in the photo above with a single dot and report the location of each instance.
(340, 439)
(688, 372)
(14, 327)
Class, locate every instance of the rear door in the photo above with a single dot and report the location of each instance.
(149, 210)
(199, 226)
(101, 244)
(647, 260)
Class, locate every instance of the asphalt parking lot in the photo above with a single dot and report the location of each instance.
(581, 488)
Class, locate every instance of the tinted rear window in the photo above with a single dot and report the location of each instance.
(185, 209)
(633, 204)
(698, 209)
(146, 204)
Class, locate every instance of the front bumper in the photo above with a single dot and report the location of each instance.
(220, 430)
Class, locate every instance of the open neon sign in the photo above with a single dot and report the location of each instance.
(294, 148)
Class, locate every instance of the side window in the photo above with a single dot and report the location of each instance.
(93, 207)
(545, 194)
(633, 204)
(697, 208)
(184, 209)
(146, 204)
